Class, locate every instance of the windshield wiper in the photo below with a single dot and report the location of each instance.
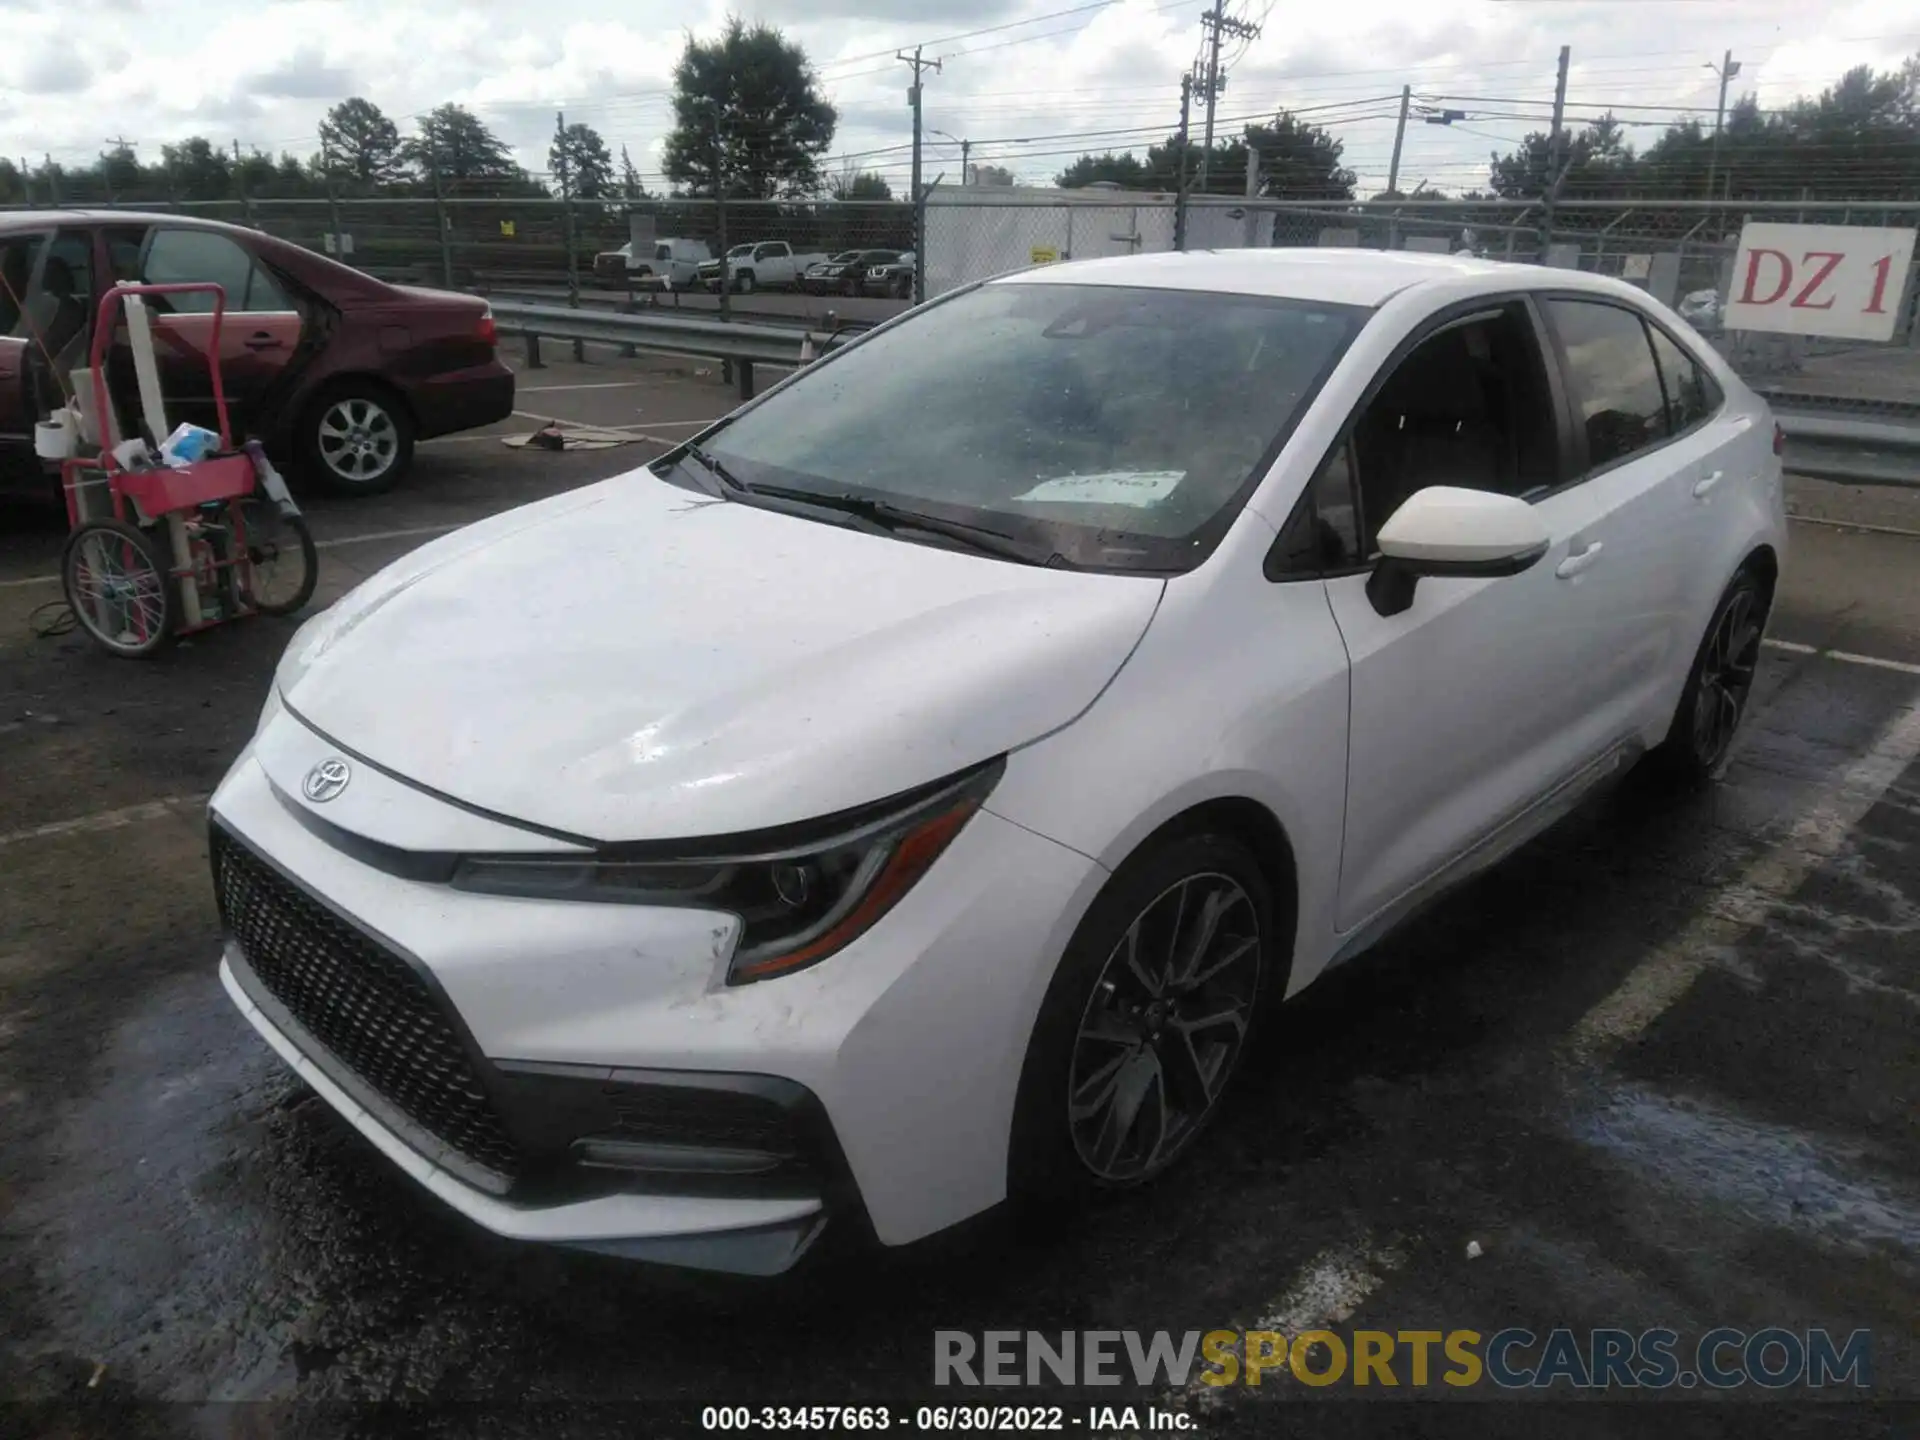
(884, 513)
(889, 516)
(727, 479)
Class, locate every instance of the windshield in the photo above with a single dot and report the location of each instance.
(1123, 428)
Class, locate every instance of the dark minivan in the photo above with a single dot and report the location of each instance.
(330, 367)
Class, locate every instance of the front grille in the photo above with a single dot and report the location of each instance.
(685, 1115)
(375, 1013)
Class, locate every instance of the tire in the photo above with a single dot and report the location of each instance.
(1719, 685)
(284, 567)
(1099, 1013)
(849, 289)
(356, 438)
(117, 586)
(743, 282)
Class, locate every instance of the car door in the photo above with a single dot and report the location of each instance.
(1486, 696)
(20, 253)
(1640, 475)
(772, 264)
(259, 334)
(1718, 454)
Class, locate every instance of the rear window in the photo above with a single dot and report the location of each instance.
(1124, 427)
(1615, 383)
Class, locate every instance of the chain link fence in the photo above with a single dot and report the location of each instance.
(1682, 252)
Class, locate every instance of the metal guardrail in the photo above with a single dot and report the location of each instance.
(1851, 450)
(740, 346)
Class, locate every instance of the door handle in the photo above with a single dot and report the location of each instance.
(261, 340)
(1574, 564)
(1702, 486)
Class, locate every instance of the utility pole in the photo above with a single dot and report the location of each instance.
(119, 143)
(26, 179)
(919, 198)
(240, 182)
(441, 219)
(720, 211)
(566, 221)
(1728, 68)
(53, 180)
(333, 198)
(1399, 139)
(1555, 148)
(966, 171)
(1253, 192)
(1180, 190)
(1216, 22)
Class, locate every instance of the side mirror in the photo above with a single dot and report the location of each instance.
(1447, 531)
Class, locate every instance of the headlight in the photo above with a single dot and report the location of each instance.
(797, 904)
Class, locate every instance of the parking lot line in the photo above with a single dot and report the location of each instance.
(593, 385)
(107, 819)
(406, 534)
(1666, 974)
(1905, 667)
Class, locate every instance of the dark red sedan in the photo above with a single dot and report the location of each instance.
(332, 368)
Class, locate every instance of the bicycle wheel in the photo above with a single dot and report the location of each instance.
(117, 586)
(282, 565)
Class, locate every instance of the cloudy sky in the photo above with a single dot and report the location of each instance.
(1030, 82)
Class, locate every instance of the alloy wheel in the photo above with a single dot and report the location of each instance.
(1726, 676)
(1164, 1028)
(358, 439)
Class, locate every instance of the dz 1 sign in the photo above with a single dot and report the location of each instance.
(1842, 280)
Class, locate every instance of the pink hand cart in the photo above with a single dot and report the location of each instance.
(158, 550)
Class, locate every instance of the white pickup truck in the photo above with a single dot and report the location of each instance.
(762, 265)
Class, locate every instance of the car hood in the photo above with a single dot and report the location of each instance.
(635, 661)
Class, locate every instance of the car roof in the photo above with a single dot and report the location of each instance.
(1337, 276)
(42, 219)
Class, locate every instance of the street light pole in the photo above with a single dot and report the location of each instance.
(1728, 68)
(919, 198)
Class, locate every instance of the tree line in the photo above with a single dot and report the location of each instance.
(750, 122)
(1858, 140)
(749, 119)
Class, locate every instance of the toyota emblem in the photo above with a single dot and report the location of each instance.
(327, 779)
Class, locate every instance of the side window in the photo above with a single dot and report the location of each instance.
(1323, 533)
(1470, 407)
(1610, 370)
(19, 254)
(175, 256)
(59, 302)
(1691, 395)
(663, 252)
(123, 250)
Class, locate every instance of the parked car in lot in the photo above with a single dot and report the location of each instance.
(330, 366)
(762, 265)
(667, 263)
(844, 273)
(894, 278)
(887, 821)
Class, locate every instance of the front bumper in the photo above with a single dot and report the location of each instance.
(753, 1236)
(895, 1062)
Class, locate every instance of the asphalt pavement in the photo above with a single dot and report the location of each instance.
(1661, 1068)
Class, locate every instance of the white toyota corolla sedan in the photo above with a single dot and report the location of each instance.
(912, 794)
